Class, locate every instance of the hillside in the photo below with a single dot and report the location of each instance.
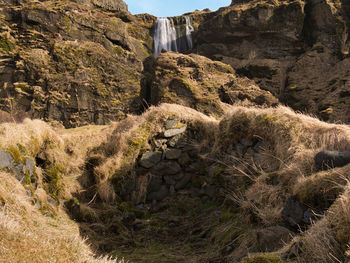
(236, 150)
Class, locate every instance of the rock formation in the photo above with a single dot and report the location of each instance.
(295, 49)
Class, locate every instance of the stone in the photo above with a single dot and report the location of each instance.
(169, 180)
(111, 5)
(293, 212)
(170, 124)
(178, 176)
(174, 141)
(184, 159)
(6, 160)
(154, 184)
(183, 182)
(273, 238)
(172, 154)
(330, 159)
(159, 195)
(172, 190)
(173, 132)
(166, 168)
(160, 143)
(29, 166)
(149, 159)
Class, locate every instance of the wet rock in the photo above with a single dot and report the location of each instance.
(149, 159)
(273, 238)
(6, 160)
(159, 195)
(155, 184)
(173, 132)
(166, 168)
(330, 159)
(173, 154)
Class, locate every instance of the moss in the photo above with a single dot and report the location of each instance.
(17, 152)
(5, 43)
(53, 181)
(263, 258)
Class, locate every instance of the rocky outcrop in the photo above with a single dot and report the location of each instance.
(62, 62)
(295, 49)
(198, 82)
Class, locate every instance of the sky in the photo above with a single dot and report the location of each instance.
(162, 8)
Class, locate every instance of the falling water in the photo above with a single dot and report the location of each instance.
(164, 36)
(189, 30)
(167, 37)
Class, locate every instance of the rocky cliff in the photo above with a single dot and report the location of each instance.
(76, 62)
(295, 49)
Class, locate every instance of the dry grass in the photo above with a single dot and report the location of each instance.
(109, 153)
(26, 235)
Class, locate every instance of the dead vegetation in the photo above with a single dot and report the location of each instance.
(86, 169)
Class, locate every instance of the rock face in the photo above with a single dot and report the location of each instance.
(74, 62)
(296, 49)
(200, 83)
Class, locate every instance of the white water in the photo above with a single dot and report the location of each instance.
(189, 30)
(166, 37)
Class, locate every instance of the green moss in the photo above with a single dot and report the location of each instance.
(53, 181)
(263, 258)
(17, 152)
(5, 43)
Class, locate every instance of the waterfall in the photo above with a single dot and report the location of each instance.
(189, 30)
(172, 34)
(164, 36)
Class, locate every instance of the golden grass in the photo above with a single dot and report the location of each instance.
(291, 141)
(27, 235)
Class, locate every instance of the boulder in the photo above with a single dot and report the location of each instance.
(330, 159)
(155, 184)
(149, 159)
(6, 160)
(159, 195)
(166, 168)
(174, 132)
(183, 182)
(173, 154)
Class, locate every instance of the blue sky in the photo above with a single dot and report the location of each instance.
(172, 7)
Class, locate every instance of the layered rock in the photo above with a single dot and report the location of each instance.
(295, 49)
(72, 62)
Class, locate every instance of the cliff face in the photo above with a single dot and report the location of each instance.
(76, 62)
(295, 49)
(82, 61)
